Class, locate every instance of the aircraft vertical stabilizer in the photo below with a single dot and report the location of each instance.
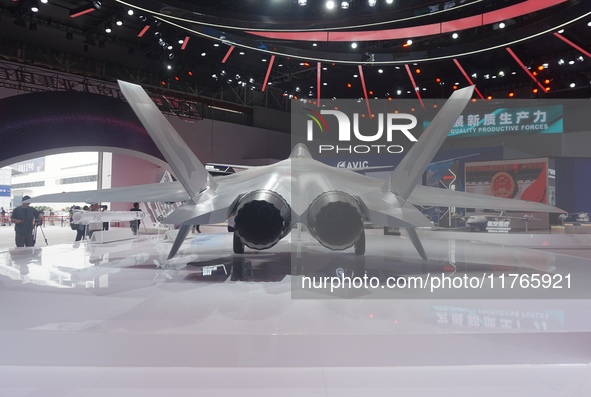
(406, 175)
(181, 159)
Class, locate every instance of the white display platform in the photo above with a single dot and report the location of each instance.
(124, 309)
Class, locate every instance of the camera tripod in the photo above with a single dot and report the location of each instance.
(37, 226)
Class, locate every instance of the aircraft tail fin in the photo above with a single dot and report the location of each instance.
(183, 162)
(406, 175)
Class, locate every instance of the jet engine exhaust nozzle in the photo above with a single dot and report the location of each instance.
(263, 218)
(335, 220)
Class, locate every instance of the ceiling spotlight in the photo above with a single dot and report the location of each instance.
(408, 42)
(455, 35)
(572, 85)
(345, 5)
(580, 58)
(380, 71)
(589, 23)
(119, 22)
(181, 41)
(372, 3)
(501, 73)
(130, 12)
(353, 45)
(398, 92)
(35, 6)
(216, 45)
(44, 1)
(389, 1)
(203, 54)
(168, 67)
(474, 75)
(502, 25)
(571, 62)
(302, 2)
(330, 4)
(561, 31)
(314, 44)
(108, 29)
(169, 47)
(561, 61)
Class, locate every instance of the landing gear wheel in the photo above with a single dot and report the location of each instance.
(360, 244)
(238, 245)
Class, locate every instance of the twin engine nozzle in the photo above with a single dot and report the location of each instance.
(263, 218)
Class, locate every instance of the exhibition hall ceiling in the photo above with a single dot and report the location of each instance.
(305, 49)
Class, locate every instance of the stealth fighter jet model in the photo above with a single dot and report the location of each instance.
(268, 201)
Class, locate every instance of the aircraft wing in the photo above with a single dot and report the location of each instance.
(163, 192)
(432, 196)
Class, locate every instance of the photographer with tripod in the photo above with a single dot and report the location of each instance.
(23, 218)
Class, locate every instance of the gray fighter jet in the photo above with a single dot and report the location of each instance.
(268, 201)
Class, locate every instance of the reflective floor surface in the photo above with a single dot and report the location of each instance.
(119, 319)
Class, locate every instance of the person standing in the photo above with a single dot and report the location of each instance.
(135, 225)
(23, 218)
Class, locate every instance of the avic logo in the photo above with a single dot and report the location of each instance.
(392, 121)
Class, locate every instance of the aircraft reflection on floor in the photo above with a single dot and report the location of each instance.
(198, 261)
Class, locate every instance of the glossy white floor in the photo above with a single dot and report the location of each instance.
(117, 319)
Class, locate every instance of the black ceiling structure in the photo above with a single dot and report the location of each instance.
(231, 48)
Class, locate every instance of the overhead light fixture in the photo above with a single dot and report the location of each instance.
(589, 23)
(580, 58)
(143, 31)
(561, 31)
(380, 71)
(108, 29)
(44, 1)
(572, 85)
(184, 42)
(119, 22)
(353, 45)
(330, 4)
(502, 25)
(76, 12)
(455, 35)
(372, 3)
(130, 12)
(302, 2)
(389, 1)
(34, 6)
(571, 62)
(345, 5)
(408, 42)
(561, 61)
